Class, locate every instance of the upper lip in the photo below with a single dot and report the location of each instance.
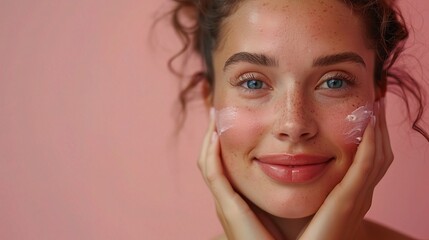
(293, 159)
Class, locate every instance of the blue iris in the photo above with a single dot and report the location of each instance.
(254, 84)
(334, 83)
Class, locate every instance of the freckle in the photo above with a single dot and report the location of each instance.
(284, 8)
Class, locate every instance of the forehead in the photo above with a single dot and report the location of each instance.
(276, 25)
(310, 12)
(299, 19)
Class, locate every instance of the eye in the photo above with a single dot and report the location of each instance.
(334, 83)
(253, 84)
(337, 81)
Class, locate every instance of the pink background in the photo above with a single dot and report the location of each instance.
(87, 144)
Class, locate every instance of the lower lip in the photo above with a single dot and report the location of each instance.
(293, 174)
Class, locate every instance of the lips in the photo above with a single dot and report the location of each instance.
(286, 168)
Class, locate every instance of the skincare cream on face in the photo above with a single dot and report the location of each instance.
(225, 119)
(357, 122)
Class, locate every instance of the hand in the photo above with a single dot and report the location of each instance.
(341, 214)
(237, 218)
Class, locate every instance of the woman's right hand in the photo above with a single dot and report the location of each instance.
(237, 218)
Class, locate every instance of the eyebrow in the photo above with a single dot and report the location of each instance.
(338, 58)
(254, 58)
(264, 60)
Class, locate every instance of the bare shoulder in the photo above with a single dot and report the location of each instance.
(373, 230)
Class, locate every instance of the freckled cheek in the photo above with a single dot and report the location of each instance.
(240, 130)
(345, 128)
(334, 128)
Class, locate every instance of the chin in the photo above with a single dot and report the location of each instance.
(292, 207)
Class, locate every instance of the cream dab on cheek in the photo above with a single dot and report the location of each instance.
(357, 122)
(225, 119)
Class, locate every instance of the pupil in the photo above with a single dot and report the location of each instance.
(334, 83)
(254, 84)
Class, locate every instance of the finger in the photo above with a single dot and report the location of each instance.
(386, 146)
(362, 165)
(378, 156)
(222, 219)
(238, 217)
(210, 129)
(206, 141)
(347, 199)
(211, 167)
(214, 174)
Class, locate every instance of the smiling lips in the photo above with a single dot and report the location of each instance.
(286, 168)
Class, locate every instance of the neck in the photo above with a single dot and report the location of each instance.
(292, 228)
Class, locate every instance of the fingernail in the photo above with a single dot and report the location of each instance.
(214, 136)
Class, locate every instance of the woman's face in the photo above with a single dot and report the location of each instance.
(287, 75)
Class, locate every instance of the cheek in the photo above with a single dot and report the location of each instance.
(240, 129)
(345, 128)
(356, 123)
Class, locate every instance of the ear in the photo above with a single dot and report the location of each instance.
(380, 90)
(378, 93)
(207, 91)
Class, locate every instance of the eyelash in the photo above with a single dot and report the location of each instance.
(348, 79)
(249, 77)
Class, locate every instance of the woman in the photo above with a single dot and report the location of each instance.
(298, 138)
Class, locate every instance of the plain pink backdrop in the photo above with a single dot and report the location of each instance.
(87, 144)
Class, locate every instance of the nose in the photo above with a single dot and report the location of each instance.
(295, 119)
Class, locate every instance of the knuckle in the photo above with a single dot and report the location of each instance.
(212, 178)
(367, 166)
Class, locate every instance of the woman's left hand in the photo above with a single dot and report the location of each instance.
(342, 213)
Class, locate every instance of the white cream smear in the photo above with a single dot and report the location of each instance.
(225, 119)
(358, 120)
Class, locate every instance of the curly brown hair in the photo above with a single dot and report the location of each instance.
(198, 24)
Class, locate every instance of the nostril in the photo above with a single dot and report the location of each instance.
(295, 128)
(295, 136)
(305, 134)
